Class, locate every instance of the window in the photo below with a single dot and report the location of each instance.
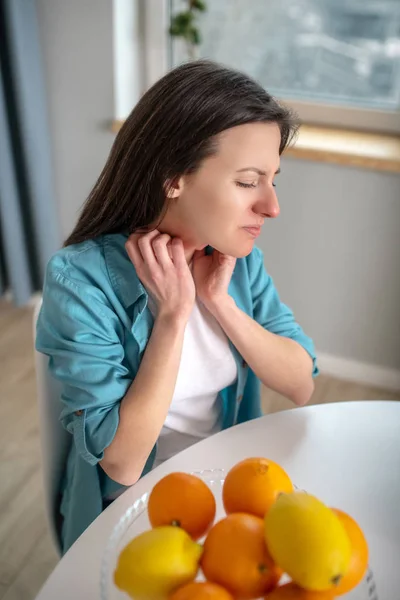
(336, 51)
(336, 61)
(343, 53)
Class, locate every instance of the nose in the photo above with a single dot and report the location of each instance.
(268, 205)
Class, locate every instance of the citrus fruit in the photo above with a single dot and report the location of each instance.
(359, 554)
(291, 591)
(236, 557)
(308, 541)
(253, 485)
(184, 500)
(201, 591)
(156, 562)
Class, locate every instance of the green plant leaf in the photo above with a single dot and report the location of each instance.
(193, 36)
(199, 5)
(183, 19)
(183, 23)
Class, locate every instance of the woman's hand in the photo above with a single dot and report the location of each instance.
(212, 274)
(162, 268)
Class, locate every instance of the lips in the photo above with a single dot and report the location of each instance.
(253, 231)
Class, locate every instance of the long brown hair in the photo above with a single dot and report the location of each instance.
(169, 133)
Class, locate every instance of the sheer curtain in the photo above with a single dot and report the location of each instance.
(29, 231)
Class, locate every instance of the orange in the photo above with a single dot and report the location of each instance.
(359, 554)
(290, 591)
(253, 485)
(201, 591)
(183, 500)
(235, 556)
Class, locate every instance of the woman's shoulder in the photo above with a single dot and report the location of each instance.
(93, 266)
(76, 258)
(88, 256)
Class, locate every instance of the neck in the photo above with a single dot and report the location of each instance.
(189, 252)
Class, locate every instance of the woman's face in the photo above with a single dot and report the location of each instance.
(225, 203)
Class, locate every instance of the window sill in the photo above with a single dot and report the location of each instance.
(380, 152)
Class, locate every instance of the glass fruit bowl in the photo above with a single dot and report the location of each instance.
(135, 521)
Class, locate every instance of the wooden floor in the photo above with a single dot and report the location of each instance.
(26, 553)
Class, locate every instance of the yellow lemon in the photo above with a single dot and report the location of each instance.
(308, 541)
(156, 562)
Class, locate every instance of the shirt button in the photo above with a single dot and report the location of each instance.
(240, 398)
(79, 413)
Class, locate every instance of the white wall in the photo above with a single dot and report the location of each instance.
(334, 252)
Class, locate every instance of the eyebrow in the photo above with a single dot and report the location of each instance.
(256, 170)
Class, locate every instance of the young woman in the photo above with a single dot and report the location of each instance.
(158, 317)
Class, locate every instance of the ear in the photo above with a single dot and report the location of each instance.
(174, 187)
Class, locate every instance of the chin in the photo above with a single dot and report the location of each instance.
(237, 250)
(242, 254)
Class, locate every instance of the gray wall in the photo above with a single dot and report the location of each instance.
(78, 59)
(334, 252)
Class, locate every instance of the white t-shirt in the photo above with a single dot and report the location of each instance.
(207, 366)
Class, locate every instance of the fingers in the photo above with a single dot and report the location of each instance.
(198, 254)
(155, 249)
(178, 253)
(161, 251)
(139, 249)
(145, 244)
(225, 263)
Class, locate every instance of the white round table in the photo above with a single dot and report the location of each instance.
(348, 454)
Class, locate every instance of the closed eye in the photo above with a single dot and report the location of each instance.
(246, 185)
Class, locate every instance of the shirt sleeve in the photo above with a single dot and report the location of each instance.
(270, 312)
(79, 334)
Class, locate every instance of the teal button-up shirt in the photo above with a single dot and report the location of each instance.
(94, 325)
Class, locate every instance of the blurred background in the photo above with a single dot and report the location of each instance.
(70, 74)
